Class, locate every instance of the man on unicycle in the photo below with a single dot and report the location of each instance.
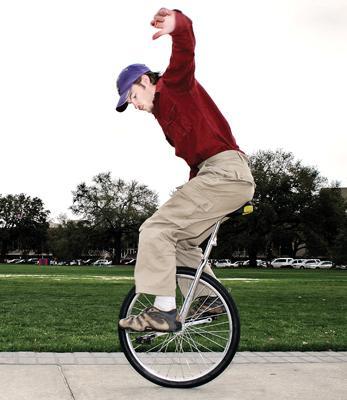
(220, 180)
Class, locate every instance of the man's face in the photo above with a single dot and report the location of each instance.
(142, 95)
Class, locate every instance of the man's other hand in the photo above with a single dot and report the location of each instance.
(165, 21)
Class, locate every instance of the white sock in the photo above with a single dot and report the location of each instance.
(165, 303)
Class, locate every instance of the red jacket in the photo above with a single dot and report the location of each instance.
(191, 121)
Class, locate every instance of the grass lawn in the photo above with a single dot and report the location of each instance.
(65, 309)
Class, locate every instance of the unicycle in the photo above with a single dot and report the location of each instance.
(210, 333)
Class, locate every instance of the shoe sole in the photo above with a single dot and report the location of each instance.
(177, 328)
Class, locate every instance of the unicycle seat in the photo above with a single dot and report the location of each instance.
(247, 208)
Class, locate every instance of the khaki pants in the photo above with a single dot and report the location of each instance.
(172, 235)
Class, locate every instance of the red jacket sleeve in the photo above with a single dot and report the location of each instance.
(179, 75)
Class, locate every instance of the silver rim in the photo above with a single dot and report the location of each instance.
(194, 351)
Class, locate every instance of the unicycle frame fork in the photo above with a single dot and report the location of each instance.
(191, 292)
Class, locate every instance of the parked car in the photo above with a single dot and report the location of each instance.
(21, 261)
(247, 262)
(128, 261)
(13, 261)
(236, 264)
(325, 265)
(33, 260)
(340, 266)
(75, 262)
(224, 263)
(296, 263)
(281, 262)
(311, 263)
(102, 261)
(265, 264)
(131, 261)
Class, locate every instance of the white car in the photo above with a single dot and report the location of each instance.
(311, 264)
(260, 263)
(132, 261)
(75, 262)
(236, 264)
(281, 262)
(325, 265)
(297, 263)
(102, 262)
(13, 261)
(225, 263)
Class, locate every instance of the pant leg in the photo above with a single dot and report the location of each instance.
(189, 253)
(224, 183)
(162, 246)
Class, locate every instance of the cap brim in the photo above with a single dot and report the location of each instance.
(123, 102)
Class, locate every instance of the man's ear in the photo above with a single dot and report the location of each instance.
(145, 80)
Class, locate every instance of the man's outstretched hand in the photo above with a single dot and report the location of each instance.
(165, 21)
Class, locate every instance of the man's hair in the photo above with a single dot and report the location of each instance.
(153, 77)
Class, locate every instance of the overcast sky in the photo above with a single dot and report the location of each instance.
(276, 69)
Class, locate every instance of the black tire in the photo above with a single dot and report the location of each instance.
(231, 317)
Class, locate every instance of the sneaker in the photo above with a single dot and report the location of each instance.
(152, 319)
(206, 306)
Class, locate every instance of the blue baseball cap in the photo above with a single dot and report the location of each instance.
(125, 80)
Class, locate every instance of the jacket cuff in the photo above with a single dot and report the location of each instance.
(182, 23)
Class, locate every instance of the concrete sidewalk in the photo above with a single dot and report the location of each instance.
(106, 376)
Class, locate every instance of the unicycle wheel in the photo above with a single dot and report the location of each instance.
(194, 355)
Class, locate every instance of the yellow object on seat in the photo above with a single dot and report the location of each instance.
(246, 209)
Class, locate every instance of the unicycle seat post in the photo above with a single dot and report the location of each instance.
(191, 292)
(247, 208)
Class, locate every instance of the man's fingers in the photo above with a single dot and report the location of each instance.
(159, 18)
(156, 21)
(164, 12)
(158, 25)
(158, 34)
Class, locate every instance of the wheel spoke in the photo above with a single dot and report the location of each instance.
(207, 332)
(207, 338)
(203, 358)
(191, 342)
